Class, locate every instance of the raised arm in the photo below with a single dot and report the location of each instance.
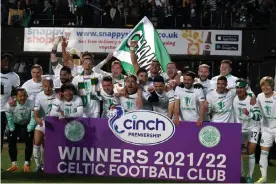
(133, 56)
(65, 55)
(98, 67)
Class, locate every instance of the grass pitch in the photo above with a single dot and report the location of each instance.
(33, 177)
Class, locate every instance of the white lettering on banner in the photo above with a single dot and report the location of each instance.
(105, 40)
(210, 175)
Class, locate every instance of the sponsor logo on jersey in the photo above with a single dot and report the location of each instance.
(74, 131)
(209, 136)
(140, 127)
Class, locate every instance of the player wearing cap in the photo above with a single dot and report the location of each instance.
(250, 117)
(43, 106)
(9, 81)
(70, 106)
(20, 117)
(266, 101)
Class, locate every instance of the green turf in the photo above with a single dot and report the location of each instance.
(20, 176)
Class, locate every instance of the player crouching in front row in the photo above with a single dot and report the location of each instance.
(20, 117)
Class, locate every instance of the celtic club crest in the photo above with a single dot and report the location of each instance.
(74, 131)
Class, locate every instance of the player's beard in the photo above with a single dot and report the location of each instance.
(187, 85)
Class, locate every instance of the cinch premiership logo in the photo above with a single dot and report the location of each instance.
(74, 131)
(140, 127)
(209, 136)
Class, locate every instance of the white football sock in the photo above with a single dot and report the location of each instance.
(37, 155)
(251, 165)
(264, 163)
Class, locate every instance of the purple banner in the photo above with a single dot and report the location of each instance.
(210, 153)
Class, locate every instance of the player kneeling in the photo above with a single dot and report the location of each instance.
(43, 106)
(19, 117)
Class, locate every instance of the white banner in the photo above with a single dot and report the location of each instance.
(105, 40)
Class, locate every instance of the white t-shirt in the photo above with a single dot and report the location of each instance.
(32, 88)
(189, 102)
(220, 106)
(57, 82)
(108, 100)
(74, 108)
(43, 103)
(231, 82)
(128, 104)
(7, 81)
(268, 110)
(248, 124)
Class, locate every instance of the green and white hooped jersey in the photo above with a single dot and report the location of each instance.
(43, 103)
(128, 104)
(189, 102)
(250, 122)
(268, 110)
(220, 106)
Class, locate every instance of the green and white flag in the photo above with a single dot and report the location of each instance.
(149, 46)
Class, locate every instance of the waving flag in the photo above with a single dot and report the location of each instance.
(150, 47)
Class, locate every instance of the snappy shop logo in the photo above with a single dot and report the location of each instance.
(140, 127)
(44, 35)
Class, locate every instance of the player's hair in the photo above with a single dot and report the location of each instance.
(158, 78)
(86, 53)
(142, 70)
(6, 56)
(227, 62)
(68, 86)
(48, 78)
(222, 78)
(117, 62)
(155, 60)
(131, 76)
(66, 69)
(204, 66)
(172, 63)
(19, 89)
(37, 66)
(107, 79)
(267, 80)
(190, 74)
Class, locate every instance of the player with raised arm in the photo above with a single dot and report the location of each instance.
(9, 81)
(189, 102)
(70, 106)
(34, 85)
(107, 93)
(20, 117)
(161, 98)
(220, 102)
(266, 101)
(88, 85)
(43, 106)
(250, 117)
